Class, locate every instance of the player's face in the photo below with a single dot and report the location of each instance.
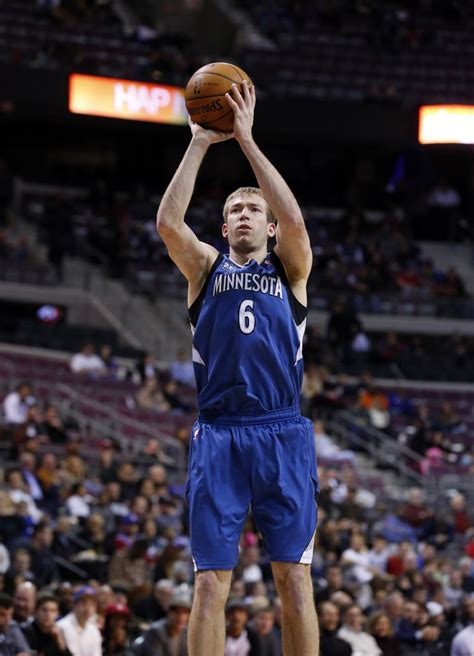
(246, 226)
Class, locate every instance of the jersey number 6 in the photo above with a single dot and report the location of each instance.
(246, 317)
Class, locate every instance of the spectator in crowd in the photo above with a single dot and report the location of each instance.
(150, 396)
(353, 633)
(146, 368)
(330, 643)
(18, 492)
(110, 366)
(182, 370)
(24, 602)
(168, 635)
(464, 640)
(79, 630)
(28, 467)
(237, 637)
(87, 362)
(19, 570)
(12, 640)
(266, 639)
(155, 606)
(16, 404)
(41, 632)
(380, 628)
(43, 564)
(117, 640)
(129, 567)
(53, 427)
(357, 560)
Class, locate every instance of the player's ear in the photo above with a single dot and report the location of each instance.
(271, 229)
(225, 230)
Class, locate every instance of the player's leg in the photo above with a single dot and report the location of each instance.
(300, 631)
(218, 504)
(284, 491)
(207, 621)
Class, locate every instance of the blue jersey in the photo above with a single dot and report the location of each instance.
(248, 332)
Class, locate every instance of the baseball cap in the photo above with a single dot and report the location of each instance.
(180, 542)
(181, 600)
(85, 591)
(117, 609)
(434, 608)
(236, 602)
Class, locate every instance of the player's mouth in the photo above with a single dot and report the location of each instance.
(244, 229)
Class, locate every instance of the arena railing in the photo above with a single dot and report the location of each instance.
(411, 305)
(385, 451)
(112, 423)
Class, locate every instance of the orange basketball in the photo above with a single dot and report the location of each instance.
(205, 95)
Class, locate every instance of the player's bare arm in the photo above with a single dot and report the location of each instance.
(293, 246)
(193, 257)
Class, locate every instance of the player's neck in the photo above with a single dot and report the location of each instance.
(242, 257)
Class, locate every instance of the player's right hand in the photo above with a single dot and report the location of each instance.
(208, 136)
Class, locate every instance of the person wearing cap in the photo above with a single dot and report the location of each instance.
(42, 633)
(78, 628)
(168, 636)
(117, 630)
(237, 642)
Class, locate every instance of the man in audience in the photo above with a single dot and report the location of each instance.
(24, 602)
(265, 639)
(42, 633)
(168, 635)
(78, 628)
(353, 633)
(16, 404)
(86, 362)
(331, 644)
(12, 640)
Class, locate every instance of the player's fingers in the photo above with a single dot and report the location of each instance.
(237, 96)
(232, 102)
(253, 94)
(246, 91)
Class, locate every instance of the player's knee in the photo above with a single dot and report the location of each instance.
(210, 591)
(295, 589)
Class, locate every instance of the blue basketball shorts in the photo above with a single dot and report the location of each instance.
(266, 462)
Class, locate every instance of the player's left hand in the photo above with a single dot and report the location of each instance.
(243, 104)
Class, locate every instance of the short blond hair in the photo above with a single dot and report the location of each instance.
(246, 191)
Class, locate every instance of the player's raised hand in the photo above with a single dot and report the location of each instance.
(208, 136)
(243, 104)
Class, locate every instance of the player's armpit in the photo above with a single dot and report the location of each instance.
(193, 258)
(294, 250)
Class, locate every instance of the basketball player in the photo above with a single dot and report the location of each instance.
(250, 445)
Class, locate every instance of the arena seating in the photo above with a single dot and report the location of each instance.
(391, 52)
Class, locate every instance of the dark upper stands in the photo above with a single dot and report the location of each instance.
(392, 51)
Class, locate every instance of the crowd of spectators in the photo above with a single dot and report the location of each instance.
(363, 49)
(95, 553)
(96, 560)
(353, 255)
(98, 37)
(344, 346)
(434, 431)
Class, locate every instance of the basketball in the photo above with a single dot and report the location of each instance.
(205, 95)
